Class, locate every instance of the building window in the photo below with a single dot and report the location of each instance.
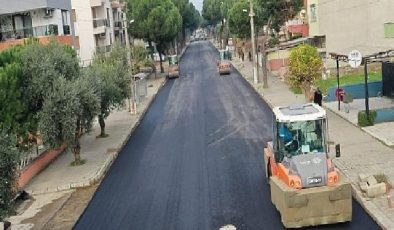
(313, 13)
(389, 30)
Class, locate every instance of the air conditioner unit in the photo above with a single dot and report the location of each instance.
(48, 13)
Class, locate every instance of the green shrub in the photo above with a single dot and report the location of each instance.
(362, 118)
(9, 158)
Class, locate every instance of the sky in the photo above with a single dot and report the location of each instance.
(197, 4)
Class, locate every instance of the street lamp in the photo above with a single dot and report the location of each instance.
(251, 14)
(133, 104)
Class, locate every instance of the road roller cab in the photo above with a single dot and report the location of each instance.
(306, 188)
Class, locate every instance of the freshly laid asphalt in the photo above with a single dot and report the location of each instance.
(195, 161)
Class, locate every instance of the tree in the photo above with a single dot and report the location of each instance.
(164, 23)
(239, 21)
(190, 16)
(274, 13)
(111, 80)
(156, 21)
(13, 107)
(305, 67)
(42, 65)
(9, 158)
(59, 113)
(89, 107)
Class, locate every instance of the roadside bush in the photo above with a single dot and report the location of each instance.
(9, 157)
(362, 118)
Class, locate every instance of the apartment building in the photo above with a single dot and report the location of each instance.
(41, 19)
(98, 23)
(365, 25)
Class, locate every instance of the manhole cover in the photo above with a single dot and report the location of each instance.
(228, 227)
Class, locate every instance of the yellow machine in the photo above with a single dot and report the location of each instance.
(306, 188)
(224, 64)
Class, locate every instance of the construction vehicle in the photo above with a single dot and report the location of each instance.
(306, 188)
(173, 68)
(224, 64)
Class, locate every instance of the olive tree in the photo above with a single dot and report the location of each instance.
(112, 81)
(59, 113)
(305, 67)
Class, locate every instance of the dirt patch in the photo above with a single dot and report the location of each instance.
(69, 213)
(46, 213)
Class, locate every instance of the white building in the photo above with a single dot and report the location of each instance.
(34, 18)
(365, 25)
(97, 24)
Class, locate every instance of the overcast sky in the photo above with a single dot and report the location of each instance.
(197, 4)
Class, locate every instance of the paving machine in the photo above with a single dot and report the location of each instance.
(306, 188)
(224, 64)
(173, 68)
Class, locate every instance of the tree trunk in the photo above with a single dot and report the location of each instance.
(77, 152)
(264, 57)
(77, 144)
(183, 36)
(221, 35)
(102, 125)
(161, 64)
(151, 50)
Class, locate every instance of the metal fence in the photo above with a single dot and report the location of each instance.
(28, 32)
(98, 22)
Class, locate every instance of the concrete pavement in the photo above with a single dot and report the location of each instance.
(381, 131)
(361, 152)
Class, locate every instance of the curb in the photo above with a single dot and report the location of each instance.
(373, 211)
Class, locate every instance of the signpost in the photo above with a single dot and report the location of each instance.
(355, 58)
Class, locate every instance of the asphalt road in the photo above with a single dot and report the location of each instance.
(195, 161)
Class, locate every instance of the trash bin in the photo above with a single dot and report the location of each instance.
(339, 94)
(141, 88)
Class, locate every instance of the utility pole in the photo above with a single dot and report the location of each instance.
(132, 104)
(251, 14)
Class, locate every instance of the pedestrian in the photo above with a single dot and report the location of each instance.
(317, 97)
(250, 56)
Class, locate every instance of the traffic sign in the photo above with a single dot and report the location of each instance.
(355, 58)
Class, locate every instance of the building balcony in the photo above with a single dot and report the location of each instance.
(29, 32)
(117, 4)
(99, 25)
(301, 29)
(96, 3)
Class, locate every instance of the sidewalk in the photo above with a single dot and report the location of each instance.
(360, 152)
(59, 179)
(381, 131)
